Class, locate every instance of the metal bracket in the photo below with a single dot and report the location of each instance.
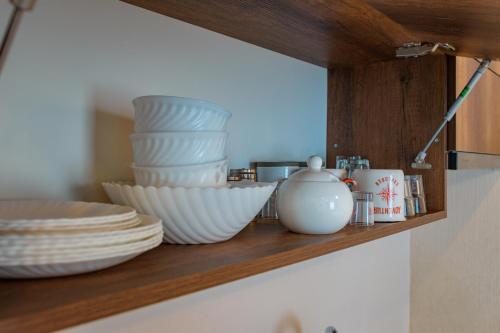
(23, 4)
(417, 49)
(19, 6)
(419, 162)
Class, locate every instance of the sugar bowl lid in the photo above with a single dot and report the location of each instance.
(314, 172)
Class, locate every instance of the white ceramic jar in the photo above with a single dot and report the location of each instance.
(314, 201)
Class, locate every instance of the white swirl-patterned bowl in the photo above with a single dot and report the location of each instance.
(178, 148)
(195, 215)
(170, 113)
(197, 175)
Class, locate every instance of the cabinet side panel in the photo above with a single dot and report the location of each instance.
(452, 95)
(339, 115)
(478, 119)
(386, 112)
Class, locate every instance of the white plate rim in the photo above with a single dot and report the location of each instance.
(121, 213)
(146, 245)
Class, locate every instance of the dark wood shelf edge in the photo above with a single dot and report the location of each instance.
(36, 313)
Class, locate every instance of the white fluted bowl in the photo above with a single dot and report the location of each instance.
(178, 148)
(197, 175)
(195, 215)
(170, 113)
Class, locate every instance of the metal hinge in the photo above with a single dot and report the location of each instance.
(418, 49)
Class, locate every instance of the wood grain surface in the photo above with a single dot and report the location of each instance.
(471, 26)
(344, 32)
(386, 112)
(169, 271)
(325, 33)
(477, 123)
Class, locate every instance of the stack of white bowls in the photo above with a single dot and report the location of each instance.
(56, 238)
(180, 171)
(179, 142)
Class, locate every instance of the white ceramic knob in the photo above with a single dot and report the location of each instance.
(315, 163)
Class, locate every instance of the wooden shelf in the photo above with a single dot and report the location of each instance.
(169, 271)
(346, 32)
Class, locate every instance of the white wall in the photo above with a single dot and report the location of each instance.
(65, 93)
(455, 264)
(364, 289)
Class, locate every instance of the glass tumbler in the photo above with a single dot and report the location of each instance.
(362, 214)
(417, 190)
(270, 210)
(341, 162)
(409, 200)
(356, 162)
(417, 185)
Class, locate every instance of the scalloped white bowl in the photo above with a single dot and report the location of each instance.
(170, 113)
(177, 148)
(195, 215)
(197, 175)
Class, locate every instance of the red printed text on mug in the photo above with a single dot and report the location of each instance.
(387, 210)
(388, 195)
(386, 179)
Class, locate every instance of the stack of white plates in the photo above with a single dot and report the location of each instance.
(179, 141)
(54, 238)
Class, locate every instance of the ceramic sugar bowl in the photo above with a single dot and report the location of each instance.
(314, 201)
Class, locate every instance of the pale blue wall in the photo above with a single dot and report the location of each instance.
(65, 94)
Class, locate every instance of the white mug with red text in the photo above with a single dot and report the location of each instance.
(387, 187)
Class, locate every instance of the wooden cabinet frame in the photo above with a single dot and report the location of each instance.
(386, 112)
(474, 133)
